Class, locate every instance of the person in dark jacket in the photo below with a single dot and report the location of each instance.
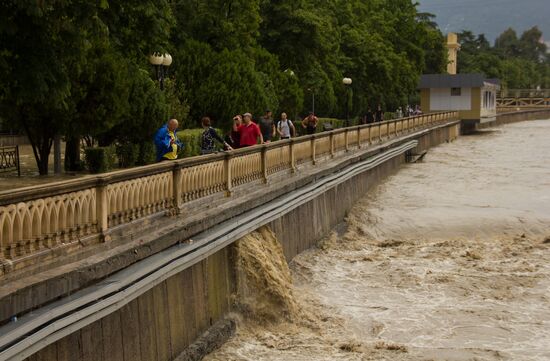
(379, 114)
(209, 135)
(370, 116)
(166, 141)
(267, 126)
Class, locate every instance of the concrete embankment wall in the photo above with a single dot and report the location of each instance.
(158, 325)
(513, 117)
(163, 322)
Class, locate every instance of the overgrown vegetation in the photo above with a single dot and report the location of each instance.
(519, 62)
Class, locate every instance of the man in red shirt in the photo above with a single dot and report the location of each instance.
(250, 132)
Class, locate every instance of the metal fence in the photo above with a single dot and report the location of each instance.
(9, 159)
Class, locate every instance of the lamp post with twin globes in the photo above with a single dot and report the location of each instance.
(161, 64)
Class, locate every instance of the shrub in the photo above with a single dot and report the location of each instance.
(127, 154)
(100, 159)
(147, 153)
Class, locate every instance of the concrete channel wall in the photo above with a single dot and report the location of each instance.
(172, 314)
(519, 116)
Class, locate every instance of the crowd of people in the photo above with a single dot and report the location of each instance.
(378, 114)
(408, 112)
(245, 132)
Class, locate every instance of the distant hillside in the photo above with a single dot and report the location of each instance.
(490, 17)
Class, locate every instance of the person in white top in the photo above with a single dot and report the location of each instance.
(285, 128)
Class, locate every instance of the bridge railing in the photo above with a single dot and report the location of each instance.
(524, 93)
(61, 217)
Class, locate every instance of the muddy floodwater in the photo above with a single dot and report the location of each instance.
(448, 259)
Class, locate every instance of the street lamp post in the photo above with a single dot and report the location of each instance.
(161, 64)
(347, 82)
(312, 99)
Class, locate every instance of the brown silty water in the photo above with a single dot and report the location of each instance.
(449, 259)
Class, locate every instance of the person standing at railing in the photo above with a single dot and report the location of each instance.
(370, 116)
(249, 132)
(379, 114)
(310, 123)
(208, 136)
(285, 128)
(399, 113)
(233, 137)
(408, 111)
(267, 126)
(167, 142)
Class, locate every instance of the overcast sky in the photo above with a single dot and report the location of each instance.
(490, 17)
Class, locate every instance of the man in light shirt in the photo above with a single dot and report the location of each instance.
(285, 128)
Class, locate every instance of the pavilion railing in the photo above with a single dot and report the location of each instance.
(515, 99)
(38, 220)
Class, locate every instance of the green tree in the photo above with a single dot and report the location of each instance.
(518, 63)
(508, 44)
(223, 24)
(149, 110)
(532, 47)
(57, 49)
(41, 45)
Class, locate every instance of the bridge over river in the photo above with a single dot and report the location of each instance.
(153, 263)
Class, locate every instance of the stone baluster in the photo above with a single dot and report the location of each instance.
(177, 191)
(331, 144)
(292, 156)
(264, 163)
(227, 172)
(102, 208)
(313, 142)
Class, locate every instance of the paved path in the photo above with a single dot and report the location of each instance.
(29, 171)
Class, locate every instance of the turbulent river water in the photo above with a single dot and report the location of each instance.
(449, 259)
